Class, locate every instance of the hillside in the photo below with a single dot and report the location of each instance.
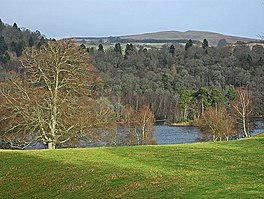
(164, 37)
(213, 38)
(211, 170)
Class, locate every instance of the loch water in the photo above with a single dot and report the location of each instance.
(180, 135)
(176, 135)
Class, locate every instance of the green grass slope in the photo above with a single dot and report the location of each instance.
(211, 170)
(260, 135)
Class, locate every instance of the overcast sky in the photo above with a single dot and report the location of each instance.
(66, 18)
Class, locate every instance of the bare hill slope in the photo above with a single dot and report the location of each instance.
(212, 37)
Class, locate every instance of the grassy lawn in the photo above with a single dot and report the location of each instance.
(212, 170)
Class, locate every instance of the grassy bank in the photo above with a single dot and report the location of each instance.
(212, 170)
(260, 135)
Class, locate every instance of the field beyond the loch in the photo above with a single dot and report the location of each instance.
(232, 169)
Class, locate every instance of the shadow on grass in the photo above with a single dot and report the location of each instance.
(50, 174)
(135, 172)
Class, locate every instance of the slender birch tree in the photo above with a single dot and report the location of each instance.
(242, 111)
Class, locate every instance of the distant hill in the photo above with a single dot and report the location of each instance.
(165, 37)
(213, 38)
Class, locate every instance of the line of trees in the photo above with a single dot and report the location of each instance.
(13, 40)
(230, 119)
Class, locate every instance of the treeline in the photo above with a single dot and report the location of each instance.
(113, 40)
(119, 40)
(157, 78)
(219, 115)
(13, 40)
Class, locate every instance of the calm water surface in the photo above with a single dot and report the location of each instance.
(176, 135)
(180, 135)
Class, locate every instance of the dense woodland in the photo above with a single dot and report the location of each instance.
(157, 78)
(13, 40)
(191, 82)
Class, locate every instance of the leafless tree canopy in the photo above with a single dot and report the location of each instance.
(50, 100)
(139, 126)
(217, 125)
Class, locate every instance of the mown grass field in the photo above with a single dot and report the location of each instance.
(232, 169)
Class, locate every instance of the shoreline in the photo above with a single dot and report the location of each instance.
(181, 124)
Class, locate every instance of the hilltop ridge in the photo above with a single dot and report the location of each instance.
(212, 37)
(167, 37)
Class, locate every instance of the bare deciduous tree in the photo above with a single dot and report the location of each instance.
(217, 125)
(145, 123)
(46, 102)
(139, 125)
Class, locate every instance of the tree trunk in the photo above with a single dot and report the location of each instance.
(137, 102)
(54, 114)
(244, 125)
(202, 107)
(137, 136)
(51, 145)
(143, 128)
(185, 113)
(143, 134)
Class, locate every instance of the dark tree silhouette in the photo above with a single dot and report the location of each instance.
(188, 44)
(172, 49)
(205, 44)
(30, 41)
(101, 48)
